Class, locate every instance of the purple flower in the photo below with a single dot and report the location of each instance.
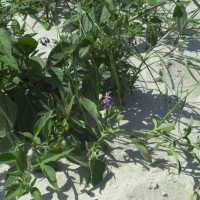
(107, 101)
(131, 43)
(46, 41)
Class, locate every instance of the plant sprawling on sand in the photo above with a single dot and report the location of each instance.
(43, 104)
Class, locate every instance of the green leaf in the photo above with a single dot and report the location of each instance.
(91, 108)
(126, 4)
(41, 122)
(83, 50)
(47, 129)
(37, 65)
(106, 29)
(29, 10)
(176, 158)
(98, 171)
(21, 161)
(28, 105)
(74, 141)
(144, 152)
(57, 78)
(14, 171)
(33, 182)
(7, 158)
(59, 52)
(77, 121)
(151, 34)
(50, 173)
(15, 26)
(87, 25)
(9, 143)
(188, 130)
(8, 113)
(78, 156)
(98, 8)
(13, 190)
(165, 127)
(54, 154)
(180, 16)
(5, 43)
(29, 135)
(35, 193)
(73, 19)
(10, 61)
(156, 20)
(26, 45)
(11, 80)
(45, 24)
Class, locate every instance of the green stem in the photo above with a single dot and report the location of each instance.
(177, 104)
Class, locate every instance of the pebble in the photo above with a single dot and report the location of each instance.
(164, 194)
(158, 79)
(153, 186)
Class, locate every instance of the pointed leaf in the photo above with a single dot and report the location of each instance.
(35, 193)
(50, 173)
(9, 142)
(151, 34)
(54, 154)
(165, 127)
(78, 156)
(180, 16)
(8, 113)
(176, 158)
(21, 161)
(58, 53)
(7, 158)
(41, 122)
(91, 108)
(98, 171)
(144, 152)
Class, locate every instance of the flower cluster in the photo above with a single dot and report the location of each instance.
(131, 43)
(107, 101)
(46, 41)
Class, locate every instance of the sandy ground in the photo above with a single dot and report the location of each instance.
(134, 178)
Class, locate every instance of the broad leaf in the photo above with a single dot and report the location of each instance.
(21, 161)
(54, 154)
(78, 156)
(7, 158)
(9, 143)
(98, 171)
(151, 34)
(35, 193)
(176, 158)
(144, 152)
(83, 50)
(26, 45)
(5, 43)
(50, 173)
(106, 29)
(98, 8)
(41, 122)
(91, 108)
(180, 16)
(58, 53)
(57, 78)
(14, 171)
(13, 190)
(11, 80)
(8, 113)
(165, 127)
(37, 65)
